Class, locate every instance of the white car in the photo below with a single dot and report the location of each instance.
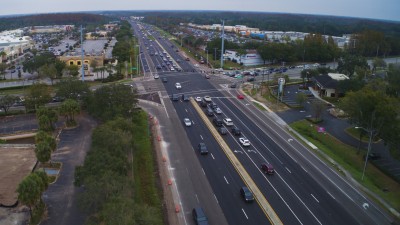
(198, 99)
(172, 68)
(178, 86)
(244, 142)
(156, 76)
(187, 122)
(207, 98)
(228, 122)
(218, 110)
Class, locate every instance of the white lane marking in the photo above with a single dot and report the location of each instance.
(197, 198)
(201, 137)
(288, 170)
(186, 110)
(192, 122)
(245, 214)
(331, 195)
(304, 169)
(212, 155)
(315, 198)
(203, 171)
(226, 180)
(216, 199)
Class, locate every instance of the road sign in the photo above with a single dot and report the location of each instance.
(134, 68)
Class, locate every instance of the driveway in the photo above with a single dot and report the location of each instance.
(61, 197)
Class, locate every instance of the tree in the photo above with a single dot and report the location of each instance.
(318, 107)
(372, 109)
(19, 74)
(3, 68)
(93, 65)
(43, 136)
(72, 70)
(28, 192)
(69, 108)
(60, 67)
(72, 88)
(7, 101)
(378, 62)
(43, 152)
(301, 98)
(393, 81)
(48, 70)
(38, 95)
(46, 117)
(112, 101)
(348, 63)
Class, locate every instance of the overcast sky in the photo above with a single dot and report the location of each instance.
(377, 9)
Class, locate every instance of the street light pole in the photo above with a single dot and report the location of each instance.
(366, 156)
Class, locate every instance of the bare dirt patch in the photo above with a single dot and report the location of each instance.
(16, 162)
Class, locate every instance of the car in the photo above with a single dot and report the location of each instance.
(156, 76)
(222, 130)
(178, 86)
(158, 67)
(172, 68)
(213, 105)
(234, 85)
(203, 103)
(185, 97)
(250, 79)
(175, 97)
(244, 142)
(207, 76)
(228, 122)
(236, 131)
(267, 168)
(207, 98)
(199, 216)
(164, 80)
(187, 122)
(198, 99)
(202, 148)
(187, 59)
(246, 194)
(217, 110)
(217, 122)
(240, 96)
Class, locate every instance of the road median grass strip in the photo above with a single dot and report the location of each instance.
(347, 157)
(260, 198)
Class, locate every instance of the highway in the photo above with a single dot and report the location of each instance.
(303, 190)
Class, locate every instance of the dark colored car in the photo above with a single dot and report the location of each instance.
(246, 194)
(267, 168)
(233, 85)
(236, 131)
(203, 103)
(251, 79)
(222, 130)
(185, 97)
(217, 122)
(164, 80)
(175, 97)
(199, 216)
(209, 112)
(202, 148)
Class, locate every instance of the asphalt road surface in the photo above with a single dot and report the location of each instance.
(303, 190)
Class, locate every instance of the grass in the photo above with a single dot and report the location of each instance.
(259, 106)
(356, 134)
(346, 156)
(143, 165)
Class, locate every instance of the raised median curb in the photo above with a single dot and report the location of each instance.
(259, 197)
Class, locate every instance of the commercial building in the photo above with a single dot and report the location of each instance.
(251, 58)
(327, 84)
(13, 44)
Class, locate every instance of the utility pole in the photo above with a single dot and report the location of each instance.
(82, 56)
(215, 53)
(222, 45)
